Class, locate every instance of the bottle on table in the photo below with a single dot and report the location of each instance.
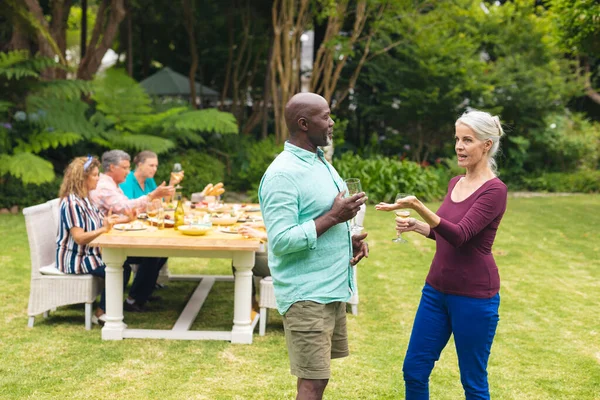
(179, 211)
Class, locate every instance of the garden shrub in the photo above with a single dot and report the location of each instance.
(200, 169)
(567, 143)
(583, 181)
(13, 192)
(250, 160)
(382, 178)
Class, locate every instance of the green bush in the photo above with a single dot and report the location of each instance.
(568, 142)
(584, 181)
(382, 178)
(250, 160)
(14, 193)
(200, 169)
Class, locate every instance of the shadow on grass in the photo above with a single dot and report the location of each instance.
(216, 313)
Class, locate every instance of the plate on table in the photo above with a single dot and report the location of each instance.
(224, 220)
(250, 209)
(169, 223)
(135, 226)
(194, 230)
(229, 229)
(249, 218)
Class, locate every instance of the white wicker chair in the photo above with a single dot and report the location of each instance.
(50, 291)
(267, 300)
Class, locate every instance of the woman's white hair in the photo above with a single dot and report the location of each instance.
(486, 127)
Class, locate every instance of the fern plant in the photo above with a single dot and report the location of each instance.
(36, 115)
(130, 122)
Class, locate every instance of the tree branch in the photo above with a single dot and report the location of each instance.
(589, 90)
(97, 48)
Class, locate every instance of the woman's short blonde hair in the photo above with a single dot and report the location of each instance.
(75, 176)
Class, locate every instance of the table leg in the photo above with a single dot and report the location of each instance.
(243, 263)
(114, 326)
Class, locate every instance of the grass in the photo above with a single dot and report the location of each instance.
(547, 345)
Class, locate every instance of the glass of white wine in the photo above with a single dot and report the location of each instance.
(401, 213)
(354, 187)
(177, 175)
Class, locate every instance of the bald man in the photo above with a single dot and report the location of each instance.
(311, 251)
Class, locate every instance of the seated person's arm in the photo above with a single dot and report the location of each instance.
(251, 231)
(82, 237)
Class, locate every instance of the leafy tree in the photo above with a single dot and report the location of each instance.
(457, 55)
(578, 23)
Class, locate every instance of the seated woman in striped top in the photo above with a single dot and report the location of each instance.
(80, 223)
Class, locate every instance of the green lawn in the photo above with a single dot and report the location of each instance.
(547, 345)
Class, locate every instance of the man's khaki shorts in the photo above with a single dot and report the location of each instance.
(315, 333)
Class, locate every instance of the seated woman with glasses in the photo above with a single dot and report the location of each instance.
(80, 223)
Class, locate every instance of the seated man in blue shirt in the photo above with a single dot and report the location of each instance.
(311, 249)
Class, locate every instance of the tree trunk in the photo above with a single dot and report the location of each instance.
(18, 39)
(289, 20)
(51, 37)
(58, 29)
(83, 40)
(264, 132)
(231, 35)
(103, 36)
(144, 47)
(188, 9)
(130, 41)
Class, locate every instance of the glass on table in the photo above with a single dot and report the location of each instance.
(156, 213)
(403, 213)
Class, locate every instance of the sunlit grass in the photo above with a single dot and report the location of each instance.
(547, 345)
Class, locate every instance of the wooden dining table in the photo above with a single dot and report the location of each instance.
(152, 242)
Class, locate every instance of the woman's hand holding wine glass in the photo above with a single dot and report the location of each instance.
(402, 206)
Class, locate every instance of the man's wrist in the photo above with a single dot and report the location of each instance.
(332, 219)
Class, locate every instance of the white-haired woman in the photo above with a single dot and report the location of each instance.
(460, 296)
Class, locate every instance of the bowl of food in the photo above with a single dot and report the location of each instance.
(224, 219)
(194, 230)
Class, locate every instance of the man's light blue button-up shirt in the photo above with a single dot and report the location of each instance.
(298, 187)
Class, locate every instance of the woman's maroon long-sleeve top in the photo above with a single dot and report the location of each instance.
(463, 263)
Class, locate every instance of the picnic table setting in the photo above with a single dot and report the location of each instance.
(204, 227)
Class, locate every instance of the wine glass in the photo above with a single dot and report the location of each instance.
(156, 212)
(401, 213)
(177, 175)
(354, 187)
